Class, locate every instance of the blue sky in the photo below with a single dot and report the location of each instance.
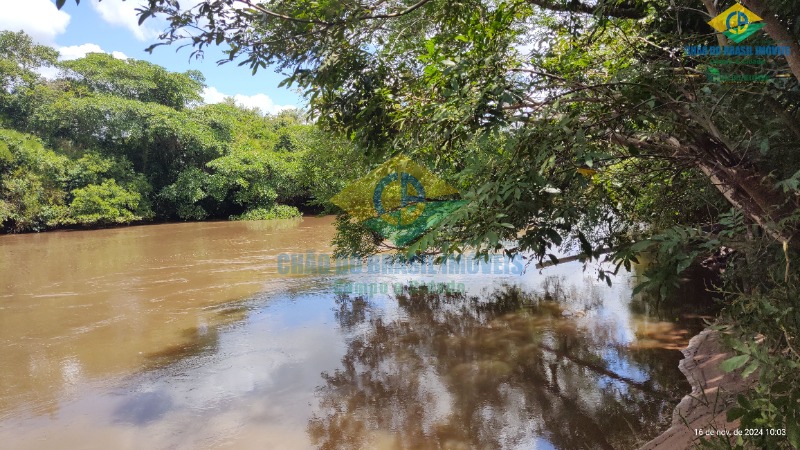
(111, 26)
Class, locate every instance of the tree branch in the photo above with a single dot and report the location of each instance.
(267, 12)
(408, 10)
(742, 187)
(326, 23)
(584, 8)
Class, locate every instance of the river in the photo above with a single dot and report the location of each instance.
(190, 336)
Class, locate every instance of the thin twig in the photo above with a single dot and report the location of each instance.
(789, 341)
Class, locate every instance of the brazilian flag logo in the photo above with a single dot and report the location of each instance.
(737, 23)
(400, 200)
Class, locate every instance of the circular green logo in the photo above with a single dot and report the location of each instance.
(737, 22)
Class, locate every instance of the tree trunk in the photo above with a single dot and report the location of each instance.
(778, 32)
(713, 11)
(747, 190)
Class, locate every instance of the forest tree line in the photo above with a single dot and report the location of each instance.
(109, 141)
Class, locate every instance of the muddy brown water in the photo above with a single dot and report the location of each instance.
(187, 336)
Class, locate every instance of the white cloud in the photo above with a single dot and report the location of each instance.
(39, 18)
(212, 95)
(123, 13)
(79, 51)
(260, 101)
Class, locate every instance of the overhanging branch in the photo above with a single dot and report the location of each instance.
(327, 23)
(585, 8)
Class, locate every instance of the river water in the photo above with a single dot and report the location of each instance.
(189, 336)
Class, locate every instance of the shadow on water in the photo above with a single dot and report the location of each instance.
(143, 408)
(197, 340)
(504, 370)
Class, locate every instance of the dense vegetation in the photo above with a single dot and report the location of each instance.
(112, 141)
(568, 121)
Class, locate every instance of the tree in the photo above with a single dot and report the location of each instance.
(136, 80)
(19, 59)
(106, 203)
(568, 85)
(120, 139)
(42, 189)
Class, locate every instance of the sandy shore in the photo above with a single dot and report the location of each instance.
(713, 393)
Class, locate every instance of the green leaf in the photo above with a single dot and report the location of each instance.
(740, 346)
(641, 246)
(731, 364)
(684, 264)
(145, 14)
(793, 433)
(735, 413)
(744, 402)
(430, 45)
(641, 287)
(752, 367)
(764, 146)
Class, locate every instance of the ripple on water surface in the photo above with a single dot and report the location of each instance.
(185, 336)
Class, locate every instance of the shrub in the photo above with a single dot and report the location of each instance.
(276, 212)
(104, 204)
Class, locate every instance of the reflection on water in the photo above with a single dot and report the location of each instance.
(185, 336)
(505, 370)
(91, 304)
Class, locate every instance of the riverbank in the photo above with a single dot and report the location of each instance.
(244, 217)
(713, 393)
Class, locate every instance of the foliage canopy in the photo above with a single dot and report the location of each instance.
(112, 141)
